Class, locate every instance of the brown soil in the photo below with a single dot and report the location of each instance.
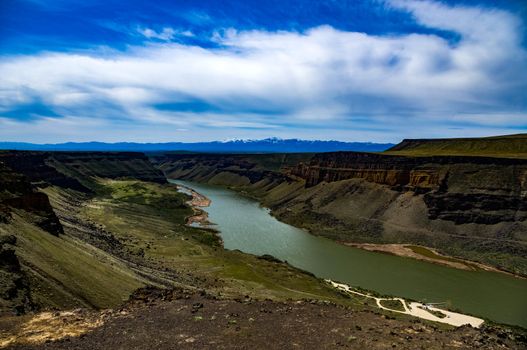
(405, 251)
(181, 320)
(198, 201)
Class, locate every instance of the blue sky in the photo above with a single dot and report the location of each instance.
(377, 70)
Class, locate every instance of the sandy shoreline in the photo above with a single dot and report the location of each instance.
(197, 202)
(403, 250)
(418, 309)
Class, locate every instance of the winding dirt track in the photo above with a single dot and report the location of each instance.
(418, 310)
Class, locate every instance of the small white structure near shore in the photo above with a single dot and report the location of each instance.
(418, 310)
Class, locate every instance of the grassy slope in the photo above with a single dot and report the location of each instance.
(135, 214)
(158, 248)
(128, 233)
(510, 146)
(65, 272)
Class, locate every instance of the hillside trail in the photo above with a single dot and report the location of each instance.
(418, 309)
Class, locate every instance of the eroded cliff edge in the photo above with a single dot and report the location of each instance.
(469, 207)
(41, 237)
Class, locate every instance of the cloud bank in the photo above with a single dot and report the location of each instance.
(321, 83)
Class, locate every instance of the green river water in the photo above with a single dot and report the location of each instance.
(247, 226)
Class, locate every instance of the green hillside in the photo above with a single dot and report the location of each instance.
(509, 146)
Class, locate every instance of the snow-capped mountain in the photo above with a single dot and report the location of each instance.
(269, 145)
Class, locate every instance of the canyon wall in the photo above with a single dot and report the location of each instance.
(17, 193)
(227, 169)
(23, 173)
(470, 207)
(460, 189)
(43, 234)
(76, 170)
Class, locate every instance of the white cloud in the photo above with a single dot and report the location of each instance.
(166, 34)
(368, 86)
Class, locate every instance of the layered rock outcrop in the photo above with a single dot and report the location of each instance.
(459, 189)
(221, 169)
(75, 170)
(17, 193)
(470, 207)
(14, 287)
(111, 165)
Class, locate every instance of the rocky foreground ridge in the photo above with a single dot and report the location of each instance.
(188, 320)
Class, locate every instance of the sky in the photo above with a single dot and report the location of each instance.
(161, 71)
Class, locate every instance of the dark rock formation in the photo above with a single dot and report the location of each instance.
(75, 170)
(14, 287)
(16, 192)
(35, 167)
(459, 189)
(243, 169)
(110, 165)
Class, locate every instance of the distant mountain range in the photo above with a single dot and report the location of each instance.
(270, 145)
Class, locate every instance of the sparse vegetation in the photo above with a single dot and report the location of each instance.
(434, 312)
(509, 146)
(393, 304)
(135, 214)
(128, 233)
(431, 254)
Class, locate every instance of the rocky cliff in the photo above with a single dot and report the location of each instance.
(43, 233)
(23, 173)
(460, 189)
(14, 285)
(76, 170)
(228, 169)
(17, 193)
(470, 207)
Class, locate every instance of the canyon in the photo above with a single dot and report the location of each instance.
(87, 230)
(468, 207)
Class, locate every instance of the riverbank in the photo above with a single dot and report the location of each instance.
(199, 217)
(427, 254)
(406, 250)
(247, 226)
(414, 309)
(419, 310)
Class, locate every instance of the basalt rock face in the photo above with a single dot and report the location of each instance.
(34, 166)
(52, 256)
(110, 165)
(459, 189)
(23, 173)
(469, 207)
(14, 287)
(75, 170)
(17, 193)
(221, 169)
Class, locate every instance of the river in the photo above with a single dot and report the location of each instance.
(247, 226)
